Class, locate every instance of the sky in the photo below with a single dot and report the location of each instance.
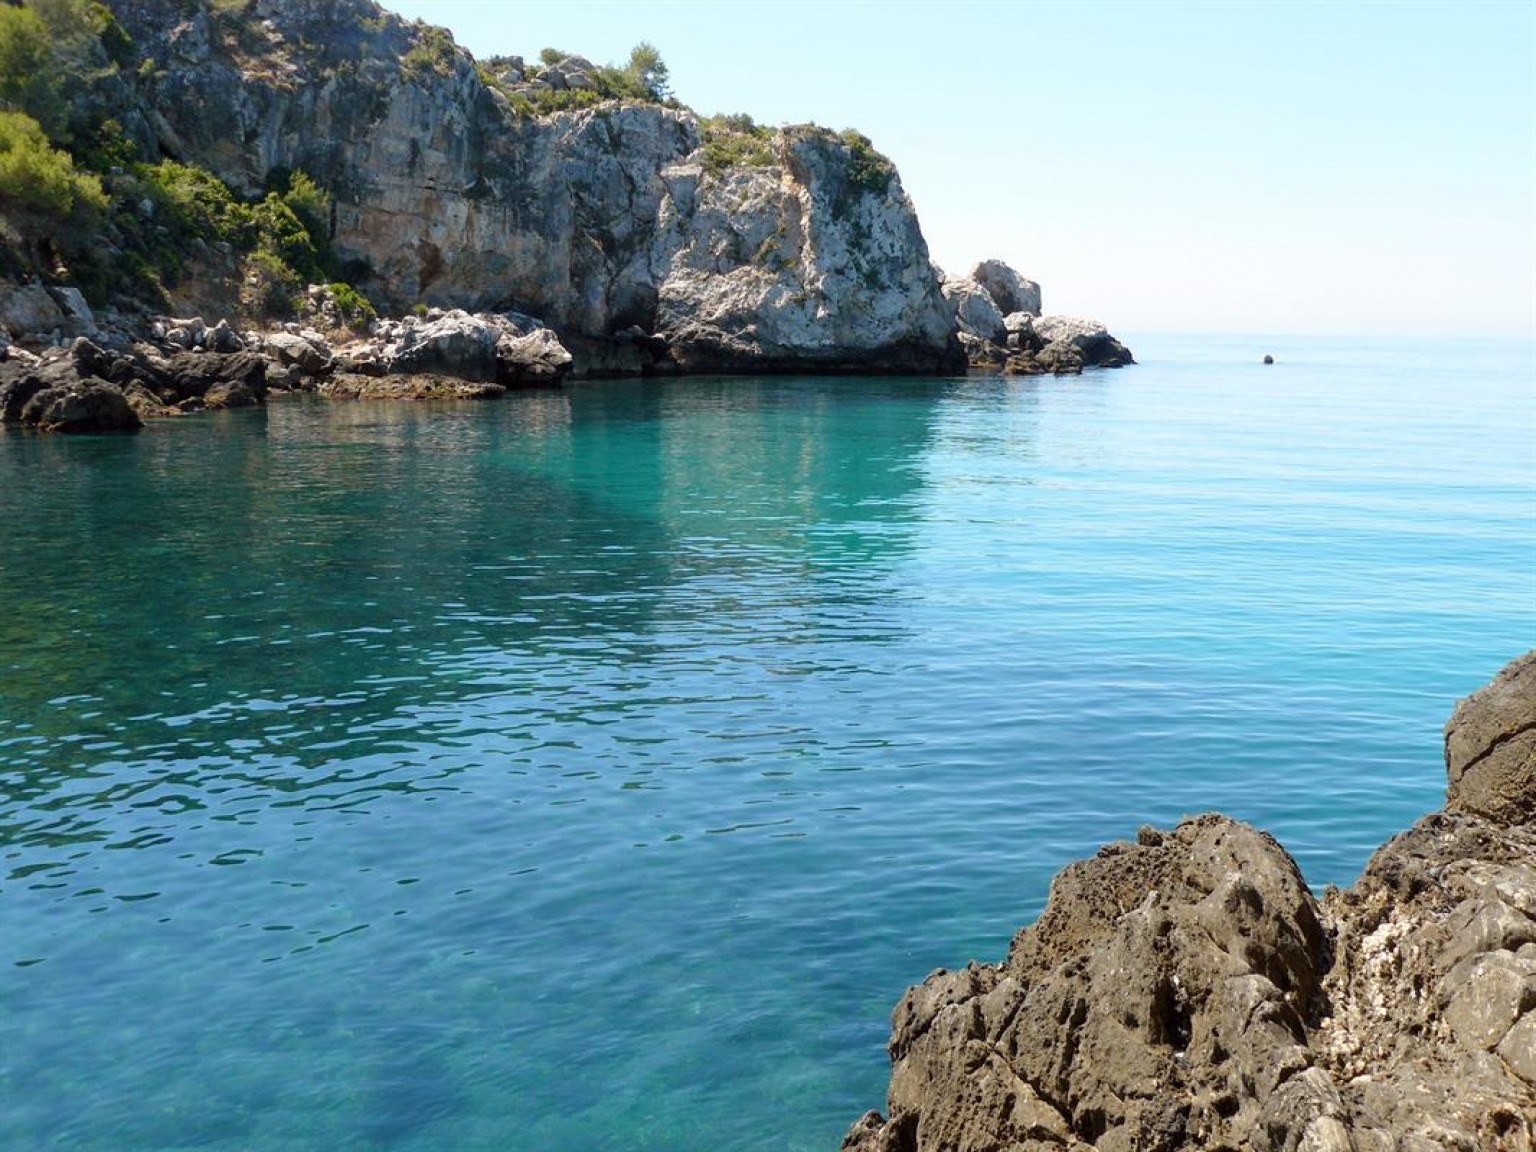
(1236, 167)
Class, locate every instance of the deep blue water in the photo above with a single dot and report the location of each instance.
(593, 769)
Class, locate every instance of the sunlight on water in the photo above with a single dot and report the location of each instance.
(595, 767)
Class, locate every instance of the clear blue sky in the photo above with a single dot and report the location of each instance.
(1292, 167)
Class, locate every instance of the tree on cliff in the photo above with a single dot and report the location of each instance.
(649, 70)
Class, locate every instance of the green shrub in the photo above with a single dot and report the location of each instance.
(433, 54)
(868, 170)
(356, 310)
(280, 233)
(36, 176)
(269, 287)
(649, 71)
(566, 100)
(311, 204)
(30, 79)
(195, 204)
(734, 141)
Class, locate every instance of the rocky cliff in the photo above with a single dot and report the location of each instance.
(1188, 991)
(448, 191)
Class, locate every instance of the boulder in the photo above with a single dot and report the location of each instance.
(453, 344)
(535, 358)
(222, 338)
(1009, 291)
(231, 394)
(976, 313)
(190, 375)
(1090, 339)
(86, 407)
(312, 357)
(1188, 992)
(28, 310)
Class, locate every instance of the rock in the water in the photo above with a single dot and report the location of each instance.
(1093, 343)
(346, 386)
(1009, 291)
(81, 408)
(1268, 359)
(1187, 991)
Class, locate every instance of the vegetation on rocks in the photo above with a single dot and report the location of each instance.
(734, 141)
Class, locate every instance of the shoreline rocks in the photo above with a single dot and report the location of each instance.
(1188, 990)
(999, 324)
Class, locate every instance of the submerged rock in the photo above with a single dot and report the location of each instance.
(1187, 991)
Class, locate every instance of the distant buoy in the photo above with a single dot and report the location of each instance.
(1268, 359)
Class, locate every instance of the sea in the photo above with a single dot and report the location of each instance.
(593, 768)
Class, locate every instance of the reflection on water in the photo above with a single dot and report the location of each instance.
(593, 767)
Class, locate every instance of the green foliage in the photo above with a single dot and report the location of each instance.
(280, 233)
(193, 203)
(269, 286)
(566, 100)
(38, 177)
(647, 69)
(433, 54)
(549, 56)
(868, 170)
(356, 310)
(30, 79)
(734, 141)
(311, 205)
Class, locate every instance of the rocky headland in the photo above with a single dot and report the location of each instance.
(1189, 991)
(511, 222)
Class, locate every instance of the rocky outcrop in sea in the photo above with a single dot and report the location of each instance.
(1189, 991)
(598, 220)
(513, 224)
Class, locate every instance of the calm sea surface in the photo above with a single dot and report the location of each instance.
(593, 769)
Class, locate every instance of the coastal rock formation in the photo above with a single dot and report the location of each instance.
(1009, 291)
(91, 387)
(597, 220)
(998, 321)
(1188, 991)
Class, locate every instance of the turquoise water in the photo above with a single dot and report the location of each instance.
(593, 769)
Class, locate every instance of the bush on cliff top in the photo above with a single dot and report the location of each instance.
(734, 141)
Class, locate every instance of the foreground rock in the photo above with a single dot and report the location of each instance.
(1187, 991)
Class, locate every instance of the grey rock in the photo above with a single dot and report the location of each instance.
(88, 407)
(28, 310)
(1490, 747)
(1009, 291)
(1187, 991)
(583, 218)
(976, 313)
(289, 349)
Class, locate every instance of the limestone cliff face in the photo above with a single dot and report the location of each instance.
(596, 220)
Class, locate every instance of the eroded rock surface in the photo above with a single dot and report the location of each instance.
(1188, 991)
(596, 221)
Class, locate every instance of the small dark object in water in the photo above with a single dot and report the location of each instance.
(1268, 359)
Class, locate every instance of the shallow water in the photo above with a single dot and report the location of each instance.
(593, 768)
